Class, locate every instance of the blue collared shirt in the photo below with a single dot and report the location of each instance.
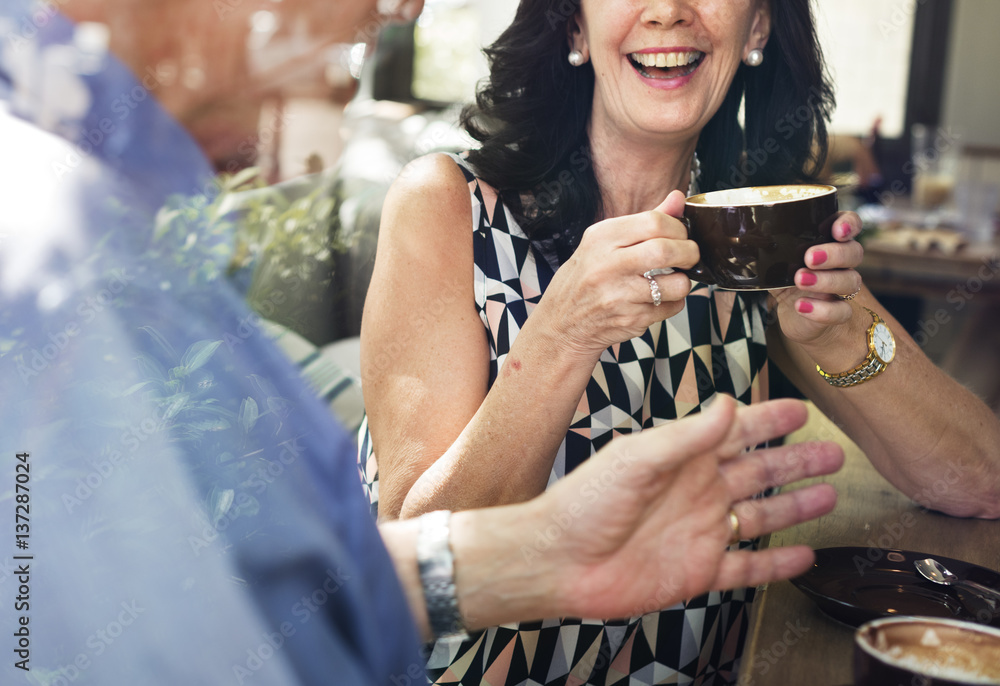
(176, 507)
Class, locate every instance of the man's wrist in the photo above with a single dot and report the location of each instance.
(400, 539)
(500, 572)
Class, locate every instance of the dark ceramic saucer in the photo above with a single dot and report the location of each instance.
(854, 585)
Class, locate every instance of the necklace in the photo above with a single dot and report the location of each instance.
(695, 175)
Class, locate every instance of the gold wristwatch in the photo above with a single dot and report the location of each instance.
(881, 351)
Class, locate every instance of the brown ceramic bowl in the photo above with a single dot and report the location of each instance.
(925, 651)
(756, 238)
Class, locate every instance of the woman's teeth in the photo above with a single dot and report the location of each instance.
(665, 59)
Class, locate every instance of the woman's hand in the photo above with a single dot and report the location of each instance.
(810, 311)
(600, 297)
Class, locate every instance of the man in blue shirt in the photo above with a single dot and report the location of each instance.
(171, 476)
(180, 510)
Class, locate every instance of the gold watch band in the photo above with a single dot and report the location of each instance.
(871, 367)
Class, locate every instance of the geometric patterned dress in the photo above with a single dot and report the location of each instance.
(715, 345)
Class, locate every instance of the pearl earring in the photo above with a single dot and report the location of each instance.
(575, 58)
(755, 58)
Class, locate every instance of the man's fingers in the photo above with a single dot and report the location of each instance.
(670, 445)
(746, 568)
(764, 515)
(763, 422)
(754, 472)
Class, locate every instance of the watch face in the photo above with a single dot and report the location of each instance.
(885, 344)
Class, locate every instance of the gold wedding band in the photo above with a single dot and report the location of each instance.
(734, 525)
(852, 296)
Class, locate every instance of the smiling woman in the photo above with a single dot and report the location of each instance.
(598, 116)
(589, 115)
(516, 115)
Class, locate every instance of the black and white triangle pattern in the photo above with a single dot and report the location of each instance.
(715, 345)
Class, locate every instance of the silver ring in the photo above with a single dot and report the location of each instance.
(852, 296)
(654, 288)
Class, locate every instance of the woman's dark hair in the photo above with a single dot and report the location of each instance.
(531, 119)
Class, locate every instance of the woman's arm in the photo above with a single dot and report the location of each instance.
(656, 535)
(442, 441)
(927, 434)
(425, 364)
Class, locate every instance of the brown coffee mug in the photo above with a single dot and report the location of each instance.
(929, 651)
(756, 238)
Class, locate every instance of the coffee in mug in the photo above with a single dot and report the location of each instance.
(926, 650)
(756, 238)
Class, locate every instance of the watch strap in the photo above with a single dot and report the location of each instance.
(437, 575)
(871, 367)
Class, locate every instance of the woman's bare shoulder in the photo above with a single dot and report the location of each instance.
(433, 182)
(428, 214)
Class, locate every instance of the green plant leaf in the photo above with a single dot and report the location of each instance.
(248, 414)
(164, 219)
(150, 368)
(160, 341)
(132, 389)
(241, 178)
(204, 425)
(199, 354)
(220, 500)
(175, 404)
(323, 208)
(278, 406)
(207, 408)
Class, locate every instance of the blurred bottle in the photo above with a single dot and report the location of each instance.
(933, 159)
(976, 202)
(868, 165)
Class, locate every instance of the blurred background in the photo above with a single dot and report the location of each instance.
(915, 150)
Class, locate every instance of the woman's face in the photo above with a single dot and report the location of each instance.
(663, 67)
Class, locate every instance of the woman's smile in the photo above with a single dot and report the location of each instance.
(665, 64)
(666, 67)
(645, 55)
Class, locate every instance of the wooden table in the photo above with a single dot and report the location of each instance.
(792, 643)
(973, 270)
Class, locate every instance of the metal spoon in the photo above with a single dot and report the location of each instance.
(932, 570)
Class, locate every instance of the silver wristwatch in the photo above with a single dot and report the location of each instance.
(437, 575)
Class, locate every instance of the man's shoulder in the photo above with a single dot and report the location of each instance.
(43, 180)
